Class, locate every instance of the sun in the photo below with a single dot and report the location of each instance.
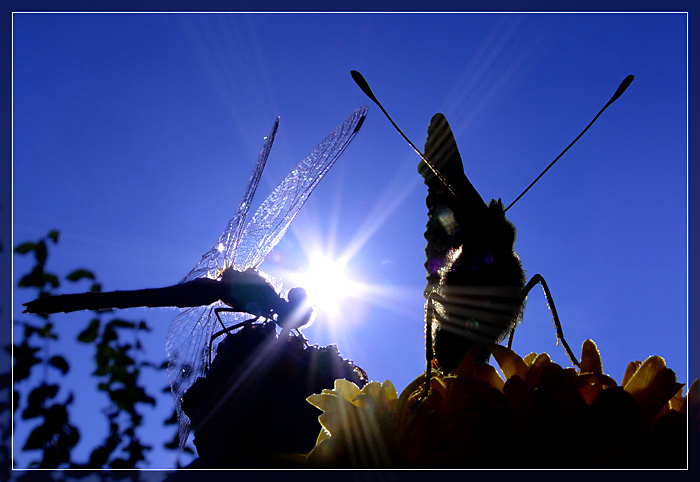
(325, 282)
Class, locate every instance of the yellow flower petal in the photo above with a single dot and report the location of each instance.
(468, 362)
(411, 395)
(676, 402)
(359, 427)
(326, 453)
(346, 389)
(335, 421)
(652, 386)
(533, 374)
(323, 434)
(388, 391)
(530, 359)
(372, 389)
(379, 396)
(324, 401)
(509, 362)
(541, 361)
(590, 358)
(488, 374)
(416, 386)
(591, 384)
(631, 369)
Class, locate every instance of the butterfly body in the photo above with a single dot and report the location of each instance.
(475, 278)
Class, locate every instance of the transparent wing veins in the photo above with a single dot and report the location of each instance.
(271, 221)
(220, 256)
(187, 342)
(189, 333)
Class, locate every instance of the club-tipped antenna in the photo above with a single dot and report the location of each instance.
(362, 84)
(620, 90)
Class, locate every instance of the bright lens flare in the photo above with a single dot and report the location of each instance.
(326, 283)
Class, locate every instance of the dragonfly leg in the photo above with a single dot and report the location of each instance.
(538, 279)
(298, 333)
(225, 329)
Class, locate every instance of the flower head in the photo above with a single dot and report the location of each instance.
(538, 414)
(358, 426)
(251, 409)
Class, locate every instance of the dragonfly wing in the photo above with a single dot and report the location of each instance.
(187, 341)
(220, 256)
(187, 345)
(271, 220)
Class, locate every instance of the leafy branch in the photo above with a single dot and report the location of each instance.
(118, 369)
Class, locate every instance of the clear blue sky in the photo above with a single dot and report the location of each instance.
(135, 135)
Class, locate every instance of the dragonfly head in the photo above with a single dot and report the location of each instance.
(298, 313)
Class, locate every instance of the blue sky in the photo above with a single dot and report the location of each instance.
(135, 135)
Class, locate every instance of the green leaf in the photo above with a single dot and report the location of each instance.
(25, 359)
(58, 415)
(118, 323)
(109, 334)
(79, 274)
(39, 437)
(130, 396)
(71, 435)
(172, 419)
(120, 464)
(47, 331)
(99, 456)
(25, 248)
(30, 330)
(41, 253)
(136, 450)
(36, 400)
(103, 355)
(53, 235)
(60, 363)
(35, 279)
(121, 359)
(90, 333)
(52, 280)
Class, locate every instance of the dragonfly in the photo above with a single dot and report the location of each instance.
(226, 278)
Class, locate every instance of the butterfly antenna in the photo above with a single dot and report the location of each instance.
(362, 84)
(620, 90)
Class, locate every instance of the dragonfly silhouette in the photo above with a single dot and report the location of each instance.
(226, 278)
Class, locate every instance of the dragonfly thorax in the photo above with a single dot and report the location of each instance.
(250, 292)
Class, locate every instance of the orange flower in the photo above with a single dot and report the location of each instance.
(539, 415)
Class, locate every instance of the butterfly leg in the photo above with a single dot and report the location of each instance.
(538, 279)
(430, 314)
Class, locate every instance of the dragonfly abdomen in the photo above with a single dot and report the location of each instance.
(198, 292)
